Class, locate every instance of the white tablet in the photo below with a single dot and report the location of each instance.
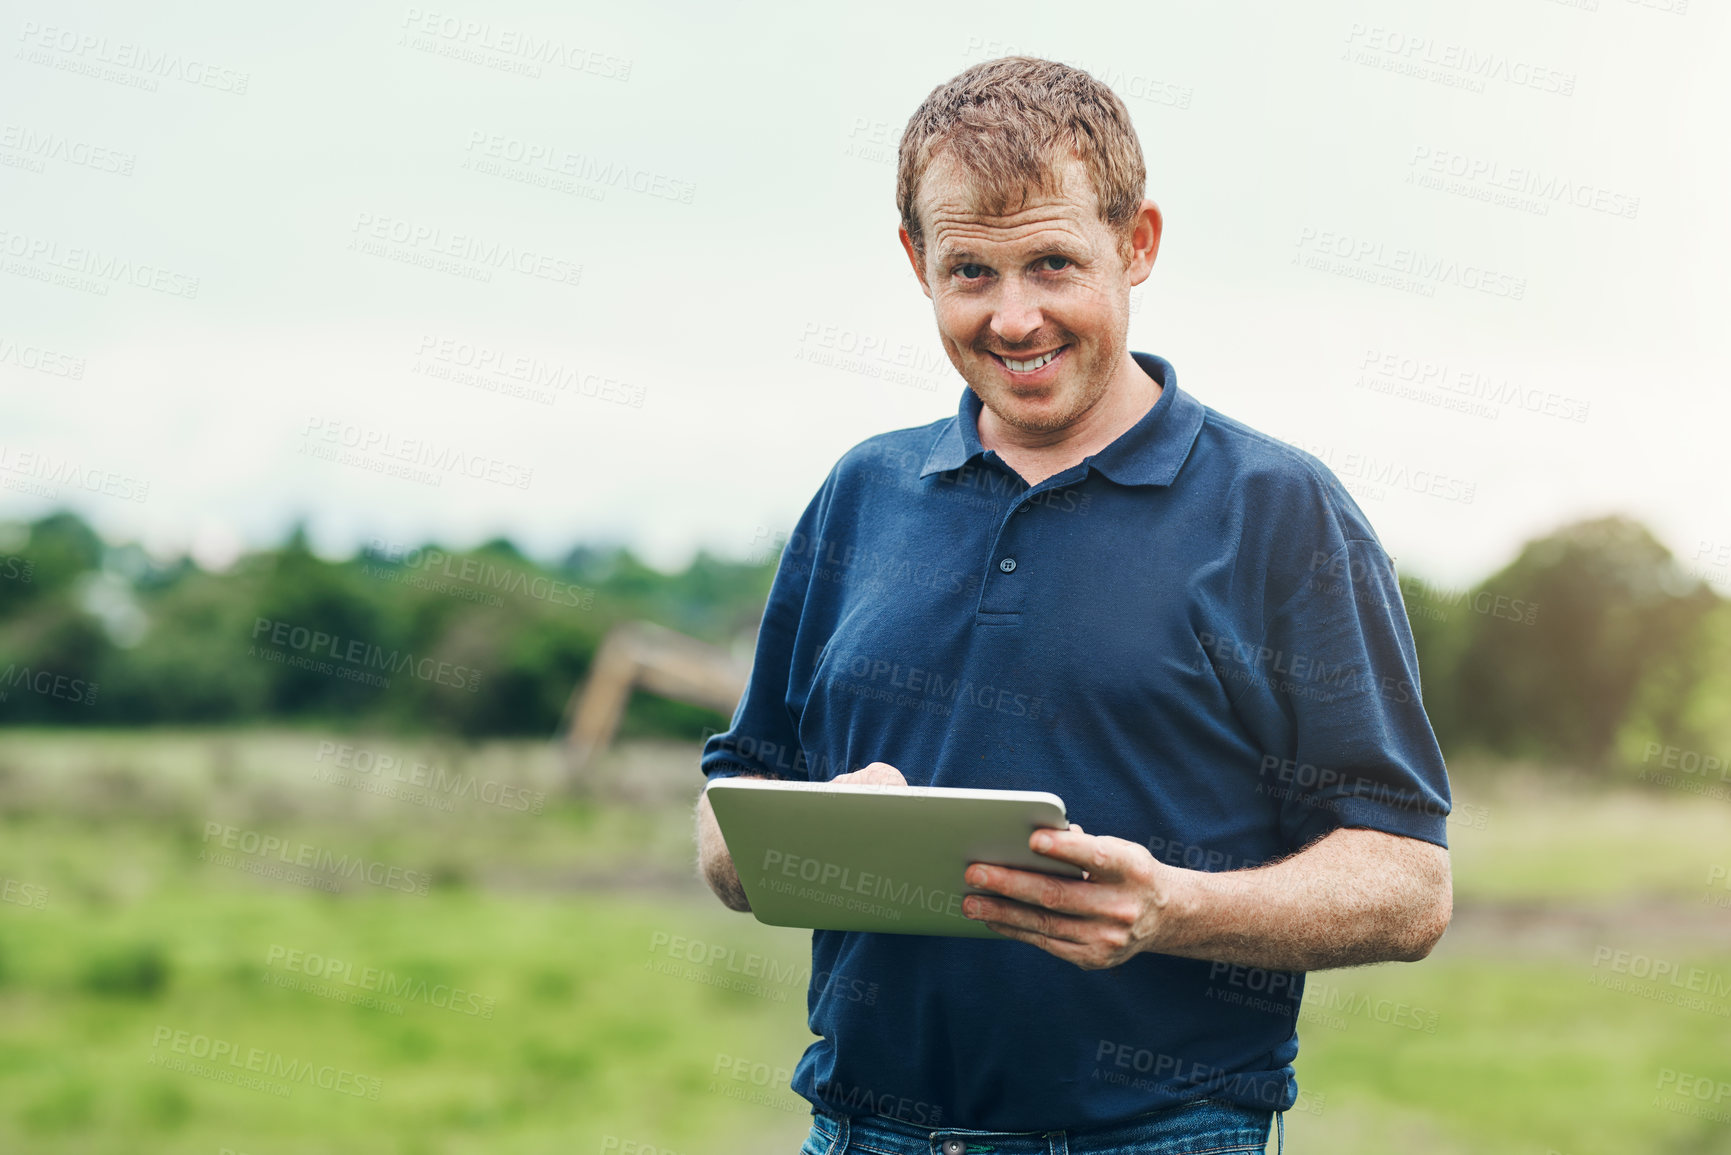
(879, 858)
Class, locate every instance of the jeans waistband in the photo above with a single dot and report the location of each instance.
(1227, 1127)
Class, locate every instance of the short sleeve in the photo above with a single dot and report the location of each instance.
(1334, 697)
(763, 738)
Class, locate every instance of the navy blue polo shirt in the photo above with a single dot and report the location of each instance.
(1193, 637)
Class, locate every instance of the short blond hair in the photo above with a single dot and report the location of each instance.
(1008, 122)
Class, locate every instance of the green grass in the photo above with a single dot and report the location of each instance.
(569, 1036)
(1526, 1057)
(599, 1037)
(1534, 842)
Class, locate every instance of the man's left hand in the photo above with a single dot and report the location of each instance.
(1123, 905)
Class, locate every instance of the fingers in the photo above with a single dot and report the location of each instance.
(1027, 923)
(1045, 891)
(1090, 942)
(1077, 827)
(1070, 941)
(884, 774)
(1098, 855)
(876, 774)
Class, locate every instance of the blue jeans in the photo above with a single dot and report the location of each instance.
(1204, 1127)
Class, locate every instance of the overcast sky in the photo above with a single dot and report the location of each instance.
(635, 265)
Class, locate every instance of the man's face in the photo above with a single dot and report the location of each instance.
(1033, 307)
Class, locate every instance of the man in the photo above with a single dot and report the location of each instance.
(1088, 582)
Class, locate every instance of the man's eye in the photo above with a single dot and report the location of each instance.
(970, 272)
(1055, 264)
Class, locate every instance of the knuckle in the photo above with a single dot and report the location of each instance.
(1051, 892)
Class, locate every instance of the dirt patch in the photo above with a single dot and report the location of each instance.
(1565, 928)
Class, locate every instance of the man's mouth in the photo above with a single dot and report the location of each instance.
(1030, 364)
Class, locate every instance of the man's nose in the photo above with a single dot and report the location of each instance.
(1016, 315)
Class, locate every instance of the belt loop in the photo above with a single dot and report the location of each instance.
(839, 1147)
(1058, 1142)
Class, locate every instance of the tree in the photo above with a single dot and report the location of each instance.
(1680, 719)
(1610, 602)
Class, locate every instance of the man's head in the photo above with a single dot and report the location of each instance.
(1020, 184)
(1007, 123)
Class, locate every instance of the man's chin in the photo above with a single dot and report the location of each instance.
(1028, 414)
(990, 380)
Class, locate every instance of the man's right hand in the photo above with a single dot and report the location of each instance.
(714, 861)
(716, 864)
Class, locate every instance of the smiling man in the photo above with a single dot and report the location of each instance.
(1088, 582)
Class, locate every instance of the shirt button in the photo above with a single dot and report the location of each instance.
(954, 1147)
(1008, 565)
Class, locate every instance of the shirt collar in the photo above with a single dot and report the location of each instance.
(1148, 453)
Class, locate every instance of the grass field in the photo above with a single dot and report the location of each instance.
(157, 994)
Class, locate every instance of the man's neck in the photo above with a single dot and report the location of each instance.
(1037, 456)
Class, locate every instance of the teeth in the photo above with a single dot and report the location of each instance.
(1029, 366)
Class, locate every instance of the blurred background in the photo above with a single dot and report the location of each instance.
(404, 410)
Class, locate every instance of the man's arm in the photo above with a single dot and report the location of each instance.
(716, 863)
(1351, 897)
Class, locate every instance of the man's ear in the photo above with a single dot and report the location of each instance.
(914, 260)
(1144, 241)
